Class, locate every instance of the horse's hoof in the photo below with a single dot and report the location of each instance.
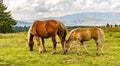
(31, 49)
(52, 53)
(44, 50)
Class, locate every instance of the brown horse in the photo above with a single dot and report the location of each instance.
(46, 29)
(84, 34)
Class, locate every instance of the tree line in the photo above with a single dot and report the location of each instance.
(25, 28)
(21, 28)
(109, 25)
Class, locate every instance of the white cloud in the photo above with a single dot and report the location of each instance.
(36, 9)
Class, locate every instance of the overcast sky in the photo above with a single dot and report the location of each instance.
(36, 9)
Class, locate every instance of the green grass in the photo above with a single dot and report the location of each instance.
(13, 52)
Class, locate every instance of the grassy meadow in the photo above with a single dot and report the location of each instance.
(13, 52)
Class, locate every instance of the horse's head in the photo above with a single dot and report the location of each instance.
(29, 43)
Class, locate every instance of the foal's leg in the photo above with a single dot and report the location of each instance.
(44, 49)
(101, 48)
(78, 47)
(38, 42)
(54, 45)
(84, 46)
(99, 45)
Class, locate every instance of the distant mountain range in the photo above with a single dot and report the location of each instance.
(85, 19)
(23, 23)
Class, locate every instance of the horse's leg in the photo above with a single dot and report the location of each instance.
(54, 45)
(62, 43)
(44, 49)
(38, 42)
(84, 46)
(99, 45)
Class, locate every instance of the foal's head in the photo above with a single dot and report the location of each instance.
(67, 46)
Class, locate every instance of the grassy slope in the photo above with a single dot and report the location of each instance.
(13, 52)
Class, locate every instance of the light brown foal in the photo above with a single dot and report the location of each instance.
(85, 34)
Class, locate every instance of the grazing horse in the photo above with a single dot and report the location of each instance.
(46, 29)
(85, 34)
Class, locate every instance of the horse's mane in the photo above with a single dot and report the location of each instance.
(29, 32)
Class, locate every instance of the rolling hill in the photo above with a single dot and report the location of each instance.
(85, 18)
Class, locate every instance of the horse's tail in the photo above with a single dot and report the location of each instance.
(102, 34)
(62, 30)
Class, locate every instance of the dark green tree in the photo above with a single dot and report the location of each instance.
(6, 21)
(116, 25)
(107, 25)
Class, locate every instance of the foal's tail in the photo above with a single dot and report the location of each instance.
(102, 34)
(62, 31)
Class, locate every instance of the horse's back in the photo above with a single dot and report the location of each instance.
(44, 28)
(52, 27)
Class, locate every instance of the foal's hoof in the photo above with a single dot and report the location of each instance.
(31, 49)
(78, 54)
(96, 53)
(102, 54)
(40, 52)
(87, 53)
